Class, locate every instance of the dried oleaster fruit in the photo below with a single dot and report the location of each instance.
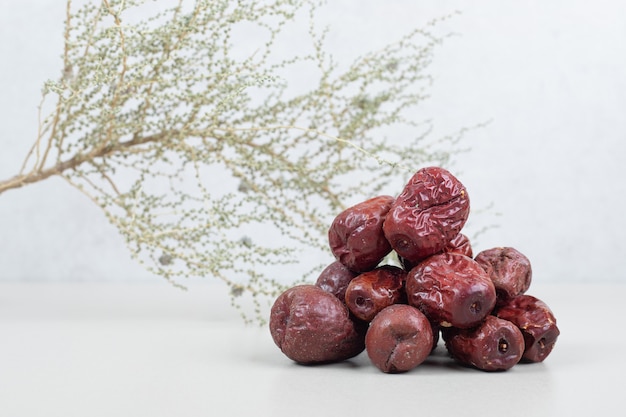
(310, 325)
(451, 289)
(427, 215)
(335, 279)
(372, 291)
(495, 345)
(509, 270)
(399, 338)
(356, 235)
(537, 323)
(459, 244)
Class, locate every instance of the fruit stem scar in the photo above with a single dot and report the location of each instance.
(503, 345)
(475, 307)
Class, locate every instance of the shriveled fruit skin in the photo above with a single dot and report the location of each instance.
(495, 345)
(451, 289)
(356, 235)
(335, 279)
(508, 268)
(310, 326)
(459, 244)
(537, 323)
(399, 339)
(372, 291)
(430, 211)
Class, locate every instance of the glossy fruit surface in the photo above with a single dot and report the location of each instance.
(537, 323)
(335, 279)
(356, 235)
(399, 339)
(429, 212)
(459, 244)
(372, 291)
(362, 301)
(495, 345)
(451, 289)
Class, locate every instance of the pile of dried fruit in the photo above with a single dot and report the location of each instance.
(477, 305)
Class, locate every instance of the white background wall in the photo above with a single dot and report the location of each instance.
(551, 75)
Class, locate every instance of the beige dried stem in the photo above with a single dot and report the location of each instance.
(205, 160)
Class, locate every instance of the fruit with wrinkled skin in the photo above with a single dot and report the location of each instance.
(508, 268)
(310, 326)
(495, 345)
(427, 215)
(451, 289)
(399, 339)
(537, 323)
(356, 235)
(372, 291)
(335, 279)
(459, 244)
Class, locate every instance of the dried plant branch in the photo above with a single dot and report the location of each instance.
(149, 112)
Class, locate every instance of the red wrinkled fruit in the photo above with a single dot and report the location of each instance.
(372, 291)
(451, 289)
(356, 235)
(399, 339)
(459, 244)
(310, 326)
(509, 270)
(335, 279)
(537, 323)
(477, 305)
(495, 345)
(430, 211)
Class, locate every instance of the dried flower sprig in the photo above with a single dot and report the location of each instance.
(203, 158)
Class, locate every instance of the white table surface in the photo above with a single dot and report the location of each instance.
(112, 349)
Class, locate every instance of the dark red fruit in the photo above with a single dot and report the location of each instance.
(356, 235)
(310, 325)
(372, 291)
(537, 323)
(436, 331)
(459, 244)
(335, 279)
(478, 306)
(509, 270)
(399, 339)
(430, 211)
(451, 289)
(495, 345)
